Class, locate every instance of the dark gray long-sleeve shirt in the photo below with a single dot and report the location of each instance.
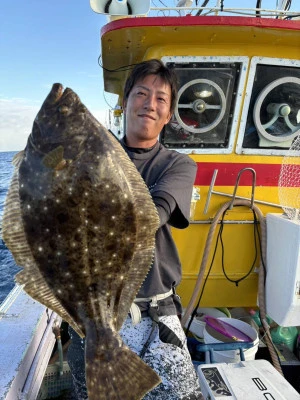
(169, 176)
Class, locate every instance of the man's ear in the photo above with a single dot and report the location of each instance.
(168, 118)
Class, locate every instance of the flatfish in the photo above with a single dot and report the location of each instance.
(81, 222)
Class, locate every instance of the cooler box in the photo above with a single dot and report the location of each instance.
(246, 380)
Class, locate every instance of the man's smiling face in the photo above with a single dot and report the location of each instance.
(147, 110)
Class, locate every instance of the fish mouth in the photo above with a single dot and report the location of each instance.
(57, 93)
(60, 102)
(53, 120)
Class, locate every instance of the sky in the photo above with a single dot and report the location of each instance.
(43, 42)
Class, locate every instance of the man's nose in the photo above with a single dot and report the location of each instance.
(150, 102)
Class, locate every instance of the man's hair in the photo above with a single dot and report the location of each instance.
(153, 67)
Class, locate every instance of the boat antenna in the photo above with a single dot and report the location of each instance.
(258, 5)
(203, 5)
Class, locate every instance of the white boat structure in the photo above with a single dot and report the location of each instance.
(26, 334)
(233, 65)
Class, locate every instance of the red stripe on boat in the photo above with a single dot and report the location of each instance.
(266, 174)
(198, 21)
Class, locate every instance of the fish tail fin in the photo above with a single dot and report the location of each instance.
(117, 373)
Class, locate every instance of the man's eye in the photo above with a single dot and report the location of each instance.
(141, 93)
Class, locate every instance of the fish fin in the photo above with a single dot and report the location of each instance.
(15, 239)
(147, 223)
(18, 158)
(39, 290)
(116, 373)
(55, 158)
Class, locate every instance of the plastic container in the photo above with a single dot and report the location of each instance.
(285, 335)
(233, 356)
(198, 322)
(250, 380)
(256, 318)
(54, 384)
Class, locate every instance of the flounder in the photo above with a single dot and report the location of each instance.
(81, 222)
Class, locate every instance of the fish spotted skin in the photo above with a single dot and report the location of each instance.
(80, 220)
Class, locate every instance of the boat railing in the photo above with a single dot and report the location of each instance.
(278, 13)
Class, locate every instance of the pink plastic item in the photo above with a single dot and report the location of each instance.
(227, 330)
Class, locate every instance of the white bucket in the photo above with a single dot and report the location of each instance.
(198, 322)
(233, 356)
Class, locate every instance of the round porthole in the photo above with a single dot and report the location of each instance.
(276, 112)
(201, 105)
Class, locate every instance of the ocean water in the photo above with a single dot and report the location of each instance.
(8, 268)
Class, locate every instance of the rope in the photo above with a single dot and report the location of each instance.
(207, 247)
(262, 273)
(262, 298)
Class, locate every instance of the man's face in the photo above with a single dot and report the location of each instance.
(147, 110)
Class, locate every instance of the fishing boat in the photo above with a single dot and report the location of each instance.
(237, 116)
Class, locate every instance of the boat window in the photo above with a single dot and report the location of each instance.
(271, 113)
(206, 106)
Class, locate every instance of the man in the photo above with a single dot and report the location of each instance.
(153, 329)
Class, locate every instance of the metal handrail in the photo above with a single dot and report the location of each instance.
(237, 184)
(264, 12)
(211, 191)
